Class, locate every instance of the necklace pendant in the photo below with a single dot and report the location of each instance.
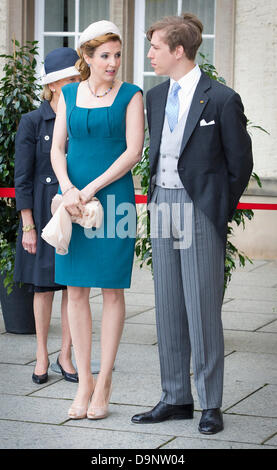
(99, 96)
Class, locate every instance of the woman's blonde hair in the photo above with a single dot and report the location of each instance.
(88, 48)
(46, 93)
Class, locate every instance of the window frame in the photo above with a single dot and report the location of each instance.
(40, 34)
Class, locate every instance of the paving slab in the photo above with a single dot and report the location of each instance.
(18, 435)
(142, 281)
(270, 328)
(21, 349)
(145, 334)
(246, 321)
(29, 411)
(134, 298)
(96, 310)
(251, 306)
(251, 341)
(252, 292)
(269, 267)
(190, 443)
(250, 267)
(33, 409)
(17, 379)
(127, 389)
(147, 317)
(253, 279)
(120, 419)
(138, 358)
(145, 390)
(234, 391)
(272, 441)
(261, 403)
(245, 429)
(253, 368)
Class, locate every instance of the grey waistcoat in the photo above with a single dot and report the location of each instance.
(167, 173)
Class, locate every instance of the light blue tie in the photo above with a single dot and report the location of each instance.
(172, 106)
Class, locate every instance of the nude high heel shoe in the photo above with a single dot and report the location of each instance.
(99, 412)
(78, 411)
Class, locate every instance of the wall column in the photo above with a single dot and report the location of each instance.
(122, 14)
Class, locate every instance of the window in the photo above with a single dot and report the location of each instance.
(59, 23)
(149, 11)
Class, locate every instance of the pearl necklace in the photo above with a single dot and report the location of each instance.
(99, 96)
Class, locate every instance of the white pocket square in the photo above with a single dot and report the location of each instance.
(204, 123)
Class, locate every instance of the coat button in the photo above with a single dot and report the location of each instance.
(46, 137)
(48, 179)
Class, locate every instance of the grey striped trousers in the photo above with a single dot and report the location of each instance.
(189, 285)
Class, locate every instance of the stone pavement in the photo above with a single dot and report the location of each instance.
(33, 416)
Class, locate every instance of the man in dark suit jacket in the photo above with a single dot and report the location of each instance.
(200, 159)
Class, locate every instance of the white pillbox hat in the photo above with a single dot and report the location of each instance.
(96, 29)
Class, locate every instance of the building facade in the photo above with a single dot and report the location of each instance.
(240, 39)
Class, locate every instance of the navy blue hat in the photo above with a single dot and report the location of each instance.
(58, 64)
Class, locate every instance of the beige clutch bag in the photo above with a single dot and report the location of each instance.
(59, 228)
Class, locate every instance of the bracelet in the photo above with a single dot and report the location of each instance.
(70, 187)
(28, 228)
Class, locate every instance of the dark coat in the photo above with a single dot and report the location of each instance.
(215, 161)
(35, 186)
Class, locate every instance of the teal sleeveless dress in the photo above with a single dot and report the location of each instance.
(97, 137)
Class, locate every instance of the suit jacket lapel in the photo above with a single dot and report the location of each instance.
(199, 102)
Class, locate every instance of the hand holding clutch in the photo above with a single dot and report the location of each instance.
(59, 228)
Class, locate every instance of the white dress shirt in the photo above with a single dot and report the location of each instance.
(167, 175)
(188, 84)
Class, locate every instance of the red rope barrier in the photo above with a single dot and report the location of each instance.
(142, 199)
(7, 192)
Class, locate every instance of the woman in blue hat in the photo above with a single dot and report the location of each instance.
(35, 186)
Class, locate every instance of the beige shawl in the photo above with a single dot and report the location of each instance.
(59, 228)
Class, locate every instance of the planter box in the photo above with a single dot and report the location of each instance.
(17, 309)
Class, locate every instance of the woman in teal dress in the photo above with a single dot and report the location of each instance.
(104, 121)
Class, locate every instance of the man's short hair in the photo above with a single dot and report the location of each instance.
(185, 30)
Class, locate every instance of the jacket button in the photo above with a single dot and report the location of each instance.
(46, 137)
(48, 179)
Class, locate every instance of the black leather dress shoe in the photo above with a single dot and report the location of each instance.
(67, 376)
(163, 411)
(211, 421)
(40, 379)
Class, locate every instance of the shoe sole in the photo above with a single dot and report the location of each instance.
(164, 419)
